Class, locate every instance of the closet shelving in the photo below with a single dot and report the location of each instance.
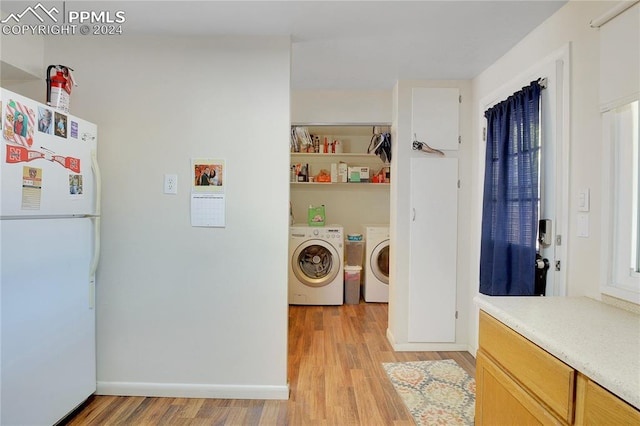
(355, 139)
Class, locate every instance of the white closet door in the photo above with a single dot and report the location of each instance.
(434, 116)
(433, 242)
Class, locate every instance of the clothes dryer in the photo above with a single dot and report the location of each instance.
(376, 275)
(316, 272)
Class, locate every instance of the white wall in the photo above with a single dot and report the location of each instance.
(22, 58)
(341, 106)
(569, 25)
(351, 205)
(183, 310)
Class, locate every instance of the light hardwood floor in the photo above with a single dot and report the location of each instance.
(335, 377)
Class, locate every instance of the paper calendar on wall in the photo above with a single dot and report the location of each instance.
(208, 192)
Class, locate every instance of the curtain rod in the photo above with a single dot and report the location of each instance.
(542, 82)
(611, 13)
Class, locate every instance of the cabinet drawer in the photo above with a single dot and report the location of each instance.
(546, 377)
(597, 406)
(500, 400)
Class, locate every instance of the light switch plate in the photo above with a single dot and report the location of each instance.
(583, 200)
(583, 225)
(170, 184)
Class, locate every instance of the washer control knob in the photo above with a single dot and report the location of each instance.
(316, 232)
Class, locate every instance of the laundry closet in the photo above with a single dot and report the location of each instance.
(335, 169)
(350, 204)
(419, 204)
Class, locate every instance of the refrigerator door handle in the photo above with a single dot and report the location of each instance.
(94, 260)
(96, 230)
(98, 177)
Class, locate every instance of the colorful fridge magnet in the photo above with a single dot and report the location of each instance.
(19, 122)
(31, 188)
(60, 125)
(74, 129)
(45, 120)
(19, 154)
(75, 185)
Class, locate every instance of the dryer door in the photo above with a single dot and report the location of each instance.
(315, 263)
(379, 261)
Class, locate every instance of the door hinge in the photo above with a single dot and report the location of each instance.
(484, 133)
(460, 99)
(558, 240)
(456, 314)
(459, 140)
(557, 265)
(459, 184)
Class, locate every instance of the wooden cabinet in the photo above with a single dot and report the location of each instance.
(501, 400)
(537, 382)
(519, 383)
(597, 406)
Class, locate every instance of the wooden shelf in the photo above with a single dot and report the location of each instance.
(340, 184)
(355, 141)
(345, 154)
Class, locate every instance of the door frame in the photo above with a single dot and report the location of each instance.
(556, 69)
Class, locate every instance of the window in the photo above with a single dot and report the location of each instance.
(631, 125)
(635, 191)
(619, 94)
(621, 202)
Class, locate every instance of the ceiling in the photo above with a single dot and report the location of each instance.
(352, 44)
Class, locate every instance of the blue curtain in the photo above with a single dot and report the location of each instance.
(511, 200)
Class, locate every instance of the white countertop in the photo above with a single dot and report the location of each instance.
(597, 339)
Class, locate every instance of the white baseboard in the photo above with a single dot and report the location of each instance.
(192, 390)
(473, 350)
(424, 347)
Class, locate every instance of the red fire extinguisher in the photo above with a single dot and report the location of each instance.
(59, 87)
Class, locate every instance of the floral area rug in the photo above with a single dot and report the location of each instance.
(435, 392)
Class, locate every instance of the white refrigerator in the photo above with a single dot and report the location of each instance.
(49, 249)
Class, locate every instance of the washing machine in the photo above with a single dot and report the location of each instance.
(316, 272)
(376, 274)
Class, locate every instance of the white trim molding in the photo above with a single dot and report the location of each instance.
(192, 390)
(425, 347)
(612, 13)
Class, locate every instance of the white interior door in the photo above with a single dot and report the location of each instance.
(433, 243)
